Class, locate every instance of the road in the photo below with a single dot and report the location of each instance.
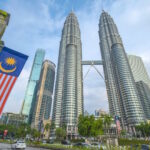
(8, 147)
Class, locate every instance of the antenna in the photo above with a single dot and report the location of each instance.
(102, 6)
(72, 6)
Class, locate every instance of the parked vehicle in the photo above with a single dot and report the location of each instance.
(44, 142)
(51, 141)
(145, 147)
(65, 142)
(97, 145)
(82, 145)
(19, 145)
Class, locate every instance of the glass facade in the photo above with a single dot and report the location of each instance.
(121, 89)
(43, 100)
(138, 69)
(29, 99)
(68, 99)
(144, 94)
(142, 82)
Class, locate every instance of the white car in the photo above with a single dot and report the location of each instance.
(19, 145)
(98, 145)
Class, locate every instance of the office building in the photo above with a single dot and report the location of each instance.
(138, 69)
(44, 94)
(100, 112)
(29, 100)
(144, 94)
(142, 82)
(68, 99)
(121, 89)
(86, 113)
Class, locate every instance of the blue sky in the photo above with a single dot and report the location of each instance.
(38, 24)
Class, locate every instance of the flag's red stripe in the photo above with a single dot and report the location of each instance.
(1, 75)
(7, 84)
(3, 81)
(2, 106)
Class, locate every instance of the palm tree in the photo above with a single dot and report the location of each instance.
(47, 128)
(107, 122)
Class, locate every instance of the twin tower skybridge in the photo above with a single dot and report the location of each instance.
(93, 63)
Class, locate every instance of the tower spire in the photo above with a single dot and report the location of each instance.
(102, 6)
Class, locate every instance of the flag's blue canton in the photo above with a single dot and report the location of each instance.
(11, 62)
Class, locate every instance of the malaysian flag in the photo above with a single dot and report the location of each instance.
(11, 64)
(118, 124)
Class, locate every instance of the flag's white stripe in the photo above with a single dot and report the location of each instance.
(3, 86)
(2, 78)
(7, 91)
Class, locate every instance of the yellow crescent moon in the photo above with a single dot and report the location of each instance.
(6, 71)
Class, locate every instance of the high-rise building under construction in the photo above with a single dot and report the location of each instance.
(68, 99)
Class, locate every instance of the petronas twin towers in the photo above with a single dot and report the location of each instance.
(68, 99)
(121, 89)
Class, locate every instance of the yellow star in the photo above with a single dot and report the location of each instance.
(10, 61)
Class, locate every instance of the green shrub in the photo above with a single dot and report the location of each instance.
(123, 142)
(77, 140)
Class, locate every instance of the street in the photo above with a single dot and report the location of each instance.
(8, 147)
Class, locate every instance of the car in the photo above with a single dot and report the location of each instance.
(65, 142)
(77, 144)
(44, 142)
(86, 145)
(97, 145)
(145, 147)
(82, 145)
(19, 145)
(51, 141)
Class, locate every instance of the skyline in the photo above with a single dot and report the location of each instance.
(89, 39)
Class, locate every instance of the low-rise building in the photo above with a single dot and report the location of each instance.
(100, 112)
(13, 119)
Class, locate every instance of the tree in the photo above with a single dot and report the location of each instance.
(123, 132)
(97, 128)
(52, 125)
(84, 125)
(107, 121)
(144, 129)
(47, 127)
(60, 133)
(89, 127)
(35, 133)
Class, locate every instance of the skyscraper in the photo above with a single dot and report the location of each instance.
(29, 99)
(142, 82)
(144, 94)
(44, 93)
(138, 69)
(68, 100)
(122, 93)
